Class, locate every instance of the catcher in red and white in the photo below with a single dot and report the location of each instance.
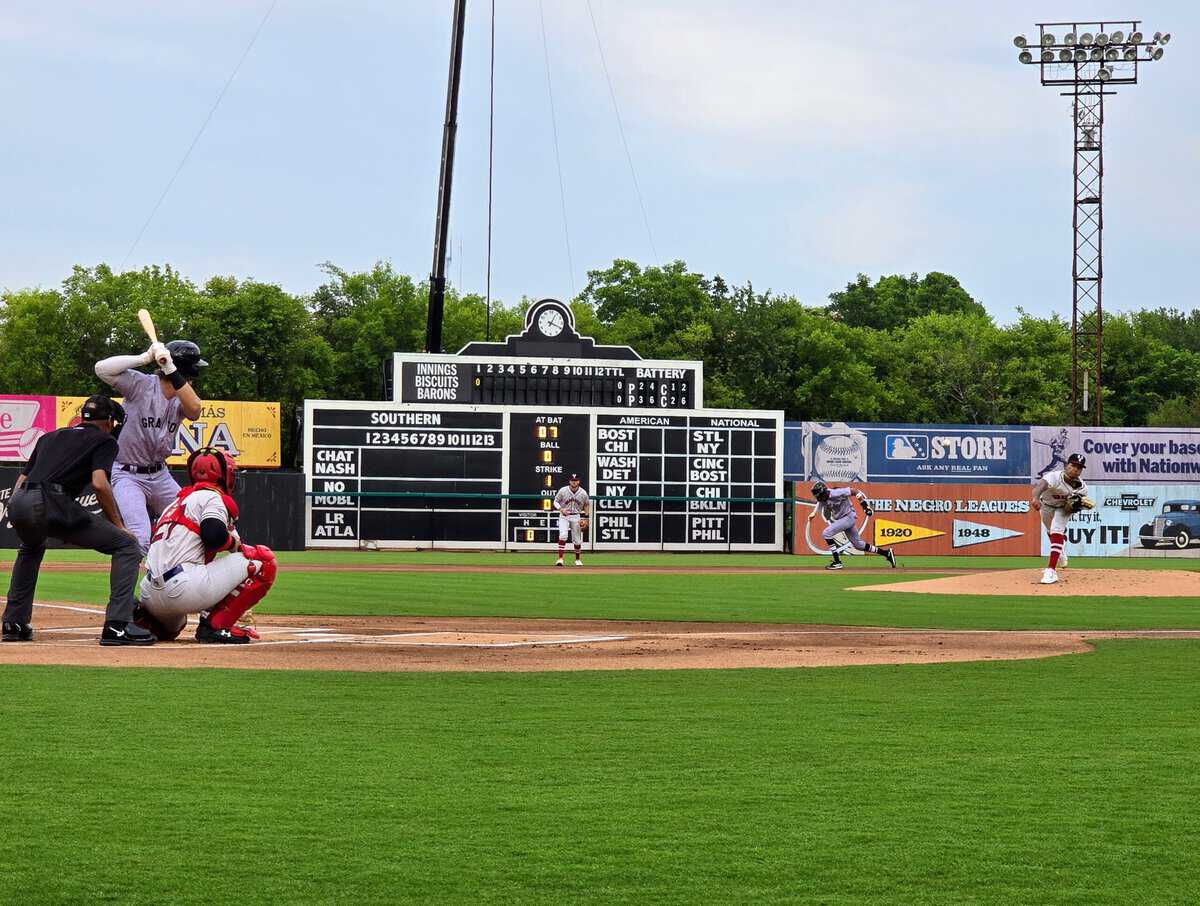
(183, 572)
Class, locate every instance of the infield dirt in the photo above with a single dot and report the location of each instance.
(67, 634)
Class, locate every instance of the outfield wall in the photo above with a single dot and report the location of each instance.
(953, 489)
(272, 507)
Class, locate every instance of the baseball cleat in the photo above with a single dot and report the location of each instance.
(206, 634)
(890, 556)
(120, 633)
(836, 564)
(1062, 560)
(578, 561)
(18, 632)
(558, 562)
(1049, 576)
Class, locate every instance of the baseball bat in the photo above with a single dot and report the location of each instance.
(147, 325)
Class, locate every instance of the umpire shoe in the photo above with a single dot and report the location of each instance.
(117, 632)
(206, 634)
(18, 632)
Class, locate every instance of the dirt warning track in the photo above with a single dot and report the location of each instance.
(68, 633)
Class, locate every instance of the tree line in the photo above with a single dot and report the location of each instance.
(899, 348)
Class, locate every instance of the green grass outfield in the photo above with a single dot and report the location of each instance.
(1065, 780)
(699, 595)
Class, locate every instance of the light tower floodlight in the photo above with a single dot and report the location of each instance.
(1088, 64)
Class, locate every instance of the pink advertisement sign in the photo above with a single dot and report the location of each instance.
(24, 419)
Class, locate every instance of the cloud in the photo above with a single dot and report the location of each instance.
(765, 76)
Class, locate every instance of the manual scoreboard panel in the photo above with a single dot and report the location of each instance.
(434, 476)
(584, 383)
(641, 459)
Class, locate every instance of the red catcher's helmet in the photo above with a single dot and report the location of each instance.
(212, 466)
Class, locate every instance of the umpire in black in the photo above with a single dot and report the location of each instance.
(43, 505)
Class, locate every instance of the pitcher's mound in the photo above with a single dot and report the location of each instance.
(1114, 583)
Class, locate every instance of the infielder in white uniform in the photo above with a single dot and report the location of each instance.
(154, 405)
(574, 510)
(184, 574)
(1058, 496)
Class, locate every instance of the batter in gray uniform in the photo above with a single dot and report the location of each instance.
(154, 406)
(837, 506)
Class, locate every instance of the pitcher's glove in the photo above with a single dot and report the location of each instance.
(584, 522)
(1079, 502)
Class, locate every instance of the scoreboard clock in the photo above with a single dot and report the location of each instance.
(485, 476)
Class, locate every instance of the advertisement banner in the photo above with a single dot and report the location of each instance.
(249, 431)
(23, 419)
(1137, 520)
(859, 451)
(945, 519)
(1153, 455)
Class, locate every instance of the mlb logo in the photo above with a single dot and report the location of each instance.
(906, 446)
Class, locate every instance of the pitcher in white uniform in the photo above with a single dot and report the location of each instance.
(183, 572)
(1058, 496)
(154, 405)
(573, 505)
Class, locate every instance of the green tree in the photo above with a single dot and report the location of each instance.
(51, 339)
(1141, 371)
(1177, 412)
(894, 301)
(662, 312)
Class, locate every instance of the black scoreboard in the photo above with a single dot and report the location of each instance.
(434, 462)
(589, 384)
(401, 476)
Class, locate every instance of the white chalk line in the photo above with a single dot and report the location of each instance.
(69, 607)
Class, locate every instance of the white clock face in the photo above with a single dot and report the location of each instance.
(550, 323)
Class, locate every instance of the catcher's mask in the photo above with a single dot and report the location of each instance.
(213, 466)
(820, 492)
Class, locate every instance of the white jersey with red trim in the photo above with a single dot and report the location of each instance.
(1058, 492)
(571, 503)
(172, 543)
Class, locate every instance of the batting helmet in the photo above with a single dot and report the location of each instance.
(186, 356)
(212, 466)
(1077, 459)
(819, 491)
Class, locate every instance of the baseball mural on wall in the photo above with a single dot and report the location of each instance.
(860, 451)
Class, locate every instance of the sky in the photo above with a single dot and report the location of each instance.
(790, 144)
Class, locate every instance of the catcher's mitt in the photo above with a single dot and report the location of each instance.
(584, 522)
(1079, 502)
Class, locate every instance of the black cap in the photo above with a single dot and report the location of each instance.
(101, 408)
(573, 477)
(1076, 459)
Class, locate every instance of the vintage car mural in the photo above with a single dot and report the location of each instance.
(1178, 525)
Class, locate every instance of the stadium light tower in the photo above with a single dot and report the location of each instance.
(1088, 59)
